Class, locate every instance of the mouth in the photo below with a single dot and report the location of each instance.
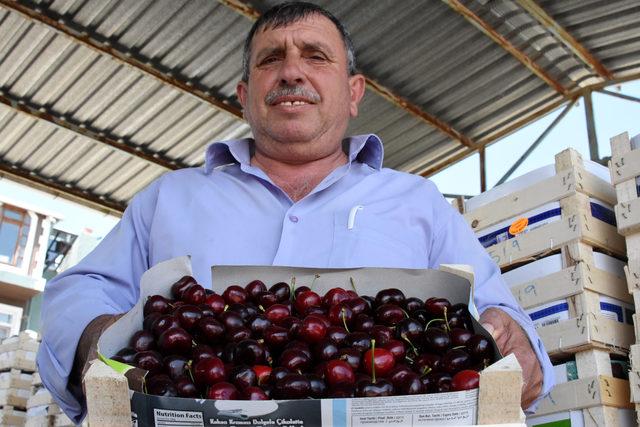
(286, 101)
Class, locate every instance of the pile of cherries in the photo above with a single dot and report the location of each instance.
(284, 342)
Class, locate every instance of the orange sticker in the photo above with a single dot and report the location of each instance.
(518, 226)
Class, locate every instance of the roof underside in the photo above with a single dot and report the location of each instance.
(98, 98)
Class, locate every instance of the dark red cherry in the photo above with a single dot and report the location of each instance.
(223, 391)
(194, 295)
(234, 294)
(254, 288)
(156, 304)
(178, 288)
(390, 296)
(175, 341)
(142, 341)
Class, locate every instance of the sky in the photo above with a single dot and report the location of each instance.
(613, 116)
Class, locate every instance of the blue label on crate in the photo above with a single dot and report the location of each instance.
(548, 311)
(597, 211)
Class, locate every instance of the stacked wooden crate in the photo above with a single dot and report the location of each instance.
(625, 175)
(553, 234)
(42, 410)
(17, 365)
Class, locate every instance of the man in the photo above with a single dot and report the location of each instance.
(299, 194)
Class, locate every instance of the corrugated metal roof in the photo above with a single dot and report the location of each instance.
(87, 84)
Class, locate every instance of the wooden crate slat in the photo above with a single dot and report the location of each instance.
(585, 393)
(568, 282)
(15, 397)
(15, 379)
(18, 359)
(553, 236)
(40, 399)
(628, 216)
(586, 332)
(625, 166)
(12, 417)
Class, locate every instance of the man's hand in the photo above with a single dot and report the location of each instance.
(512, 339)
(87, 351)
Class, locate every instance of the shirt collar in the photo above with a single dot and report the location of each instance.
(367, 149)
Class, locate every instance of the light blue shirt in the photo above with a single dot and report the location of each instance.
(231, 213)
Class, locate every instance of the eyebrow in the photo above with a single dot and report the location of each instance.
(307, 47)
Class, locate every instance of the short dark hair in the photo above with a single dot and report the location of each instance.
(288, 13)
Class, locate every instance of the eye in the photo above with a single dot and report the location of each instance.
(269, 60)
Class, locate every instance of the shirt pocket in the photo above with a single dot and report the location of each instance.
(375, 240)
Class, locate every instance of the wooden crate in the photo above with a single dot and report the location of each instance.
(579, 273)
(16, 397)
(625, 167)
(576, 225)
(571, 178)
(581, 284)
(40, 399)
(39, 421)
(18, 359)
(632, 271)
(37, 381)
(15, 379)
(12, 417)
(26, 340)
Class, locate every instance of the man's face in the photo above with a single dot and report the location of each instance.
(299, 89)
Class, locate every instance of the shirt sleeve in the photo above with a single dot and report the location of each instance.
(455, 243)
(105, 282)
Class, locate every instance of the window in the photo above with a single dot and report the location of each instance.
(14, 231)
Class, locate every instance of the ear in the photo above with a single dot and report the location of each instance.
(241, 91)
(357, 84)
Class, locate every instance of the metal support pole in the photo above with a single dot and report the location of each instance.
(483, 170)
(591, 127)
(537, 142)
(619, 95)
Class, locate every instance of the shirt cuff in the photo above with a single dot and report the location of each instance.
(57, 384)
(548, 375)
(56, 355)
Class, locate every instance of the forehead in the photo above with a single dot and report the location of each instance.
(314, 29)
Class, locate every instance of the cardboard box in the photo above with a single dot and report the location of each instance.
(500, 383)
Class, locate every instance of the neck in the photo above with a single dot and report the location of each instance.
(298, 179)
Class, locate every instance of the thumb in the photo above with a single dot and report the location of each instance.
(489, 327)
(491, 320)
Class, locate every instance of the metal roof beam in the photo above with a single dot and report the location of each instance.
(567, 39)
(62, 189)
(105, 46)
(619, 95)
(537, 142)
(253, 14)
(499, 39)
(42, 113)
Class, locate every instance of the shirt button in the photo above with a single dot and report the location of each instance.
(293, 218)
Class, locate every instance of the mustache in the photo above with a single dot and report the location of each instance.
(297, 91)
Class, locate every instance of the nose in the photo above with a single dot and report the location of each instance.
(291, 73)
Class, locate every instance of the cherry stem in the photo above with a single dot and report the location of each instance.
(353, 285)
(405, 312)
(293, 289)
(425, 370)
(226, 307)
(431, 321)
(446, 321)
(413, 347)
(457, 347)
(189, 370)
(313, 282)
(373, 360)
(261, 307)
(344, 321)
